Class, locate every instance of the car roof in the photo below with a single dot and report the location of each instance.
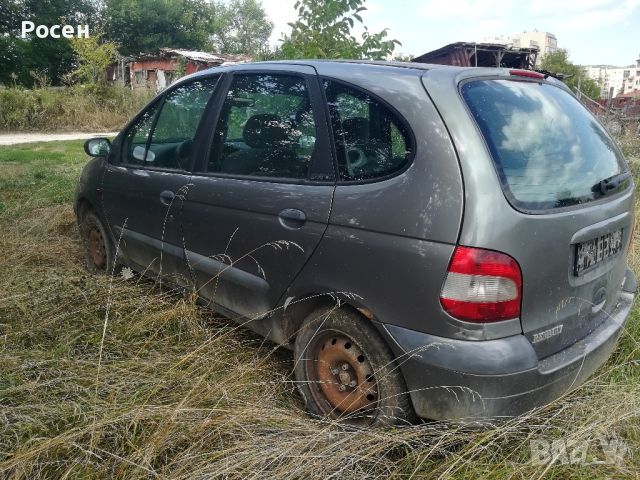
(335, 67)
(319, 65)
(355, 63)
(386, 67)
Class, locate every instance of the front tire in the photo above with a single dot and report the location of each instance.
(99, 252)
(345, 371)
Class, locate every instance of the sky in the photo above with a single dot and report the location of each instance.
(593, 31)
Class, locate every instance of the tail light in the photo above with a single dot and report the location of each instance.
(482, 286)
(527, 73)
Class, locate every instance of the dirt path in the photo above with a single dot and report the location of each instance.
(20, 137)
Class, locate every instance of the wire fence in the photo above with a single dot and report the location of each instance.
(619, 115)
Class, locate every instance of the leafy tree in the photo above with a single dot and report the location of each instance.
(93, 57)
(559, 63)
(241, 26)
(181, 69)
(146, 25)
(589, 87)
(23, 59)
(323, 30)
(401, 57)
(10, 13)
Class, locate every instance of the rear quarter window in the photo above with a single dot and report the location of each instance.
(372, 141)
(548, 149)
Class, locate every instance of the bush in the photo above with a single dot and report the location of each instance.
(79, 108)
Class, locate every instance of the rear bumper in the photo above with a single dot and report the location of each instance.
(458, 379)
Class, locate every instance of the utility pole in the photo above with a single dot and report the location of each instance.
(579, 84)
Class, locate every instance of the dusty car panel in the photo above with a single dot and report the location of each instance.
(553, 295)
(357, 213)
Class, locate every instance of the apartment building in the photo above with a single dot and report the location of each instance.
(545, 42)
(632, 81)
(614, 81)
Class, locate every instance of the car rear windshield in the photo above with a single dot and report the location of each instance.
(548, 149)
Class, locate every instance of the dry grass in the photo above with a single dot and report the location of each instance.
(79, 108)
(104, 378)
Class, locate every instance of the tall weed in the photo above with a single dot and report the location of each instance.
(77, 108)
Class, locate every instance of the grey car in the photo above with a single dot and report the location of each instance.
(431, 241)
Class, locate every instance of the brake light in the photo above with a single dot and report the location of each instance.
(526, 73)
(482, 286)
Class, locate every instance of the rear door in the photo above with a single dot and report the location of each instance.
(260, 202)
(570, 194)
(146, 178)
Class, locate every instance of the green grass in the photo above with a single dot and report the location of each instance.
(38, 175)
(49, 153)
(172, 391)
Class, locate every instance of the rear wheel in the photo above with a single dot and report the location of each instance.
(345, 371)
(98, 249)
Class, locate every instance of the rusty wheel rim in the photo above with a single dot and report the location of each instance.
(96, 248)
(344, 378)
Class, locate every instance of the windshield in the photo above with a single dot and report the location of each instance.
(549, 151)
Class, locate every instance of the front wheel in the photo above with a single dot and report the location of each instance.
(98, 249)
(345, 371)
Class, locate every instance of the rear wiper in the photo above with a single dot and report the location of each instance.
(608, 185)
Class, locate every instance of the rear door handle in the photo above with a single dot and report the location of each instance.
(292, 218)
(166, 197)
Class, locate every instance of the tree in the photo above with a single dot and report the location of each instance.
(146, 25)
(93, 57)
(559, 63)
(401, 57)
(47, 58)
(138, 26)
(241, 26)
(323, 30)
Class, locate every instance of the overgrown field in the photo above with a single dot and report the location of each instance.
(112, 378)
(79, 108)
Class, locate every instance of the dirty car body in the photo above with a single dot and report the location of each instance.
(477, 219)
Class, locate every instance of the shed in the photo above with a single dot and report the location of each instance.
(468, 54)
(159, 69)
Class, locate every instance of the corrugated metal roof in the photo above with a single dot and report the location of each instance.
(468, 54)
(207, 58)
(217, 58)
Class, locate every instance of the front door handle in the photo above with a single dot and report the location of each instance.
(167, 197)
(292, 218)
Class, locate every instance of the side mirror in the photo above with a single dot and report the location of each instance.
(97, 147)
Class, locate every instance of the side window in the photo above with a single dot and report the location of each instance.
(266, 128)
(135, 141)
(174, 130)
(371, 141)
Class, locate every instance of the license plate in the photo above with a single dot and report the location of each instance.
(591, 253)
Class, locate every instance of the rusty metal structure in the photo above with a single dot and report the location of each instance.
(618, 114)
(471, 54)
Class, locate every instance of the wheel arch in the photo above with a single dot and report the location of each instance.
(82, 206)
(297, 308)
